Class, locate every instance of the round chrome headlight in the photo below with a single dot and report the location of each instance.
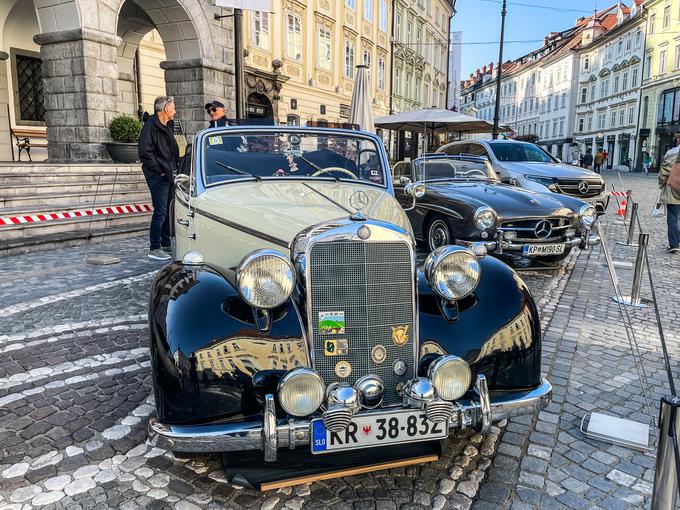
(265, 278)
(452, 271)
(587, 216)
(451, 376)
(301, 392)
(485, 218)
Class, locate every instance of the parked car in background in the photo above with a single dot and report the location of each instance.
(296, 317)
(530, 167)
(464, 202)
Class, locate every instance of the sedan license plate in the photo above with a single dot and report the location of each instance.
(402, 426)
(543, 249)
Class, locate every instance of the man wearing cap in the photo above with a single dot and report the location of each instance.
(217, 116)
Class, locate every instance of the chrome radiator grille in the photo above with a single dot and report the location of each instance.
(372, 284)
(571, 187)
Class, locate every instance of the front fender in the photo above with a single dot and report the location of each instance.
(206, 343)
(496, 330)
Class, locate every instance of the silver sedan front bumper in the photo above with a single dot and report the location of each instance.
(269, 434)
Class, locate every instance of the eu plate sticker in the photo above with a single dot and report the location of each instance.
(318, 436)
(332, 323)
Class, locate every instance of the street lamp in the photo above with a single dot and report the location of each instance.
(497, 112)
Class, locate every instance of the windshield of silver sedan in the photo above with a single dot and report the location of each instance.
(231, 156)
(446, 168)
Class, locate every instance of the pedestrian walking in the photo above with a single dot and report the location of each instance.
(218, 117)
(646, 163)
(159, 154)
(587, 160)
(598, 160)
(670, 196)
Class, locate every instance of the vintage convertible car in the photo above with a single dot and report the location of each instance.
(461, 200)
(295, 326)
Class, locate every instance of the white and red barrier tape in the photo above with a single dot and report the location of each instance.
(618, 193)
(77, 213)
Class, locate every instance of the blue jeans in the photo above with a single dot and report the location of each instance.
(161, 196)
(673, 222)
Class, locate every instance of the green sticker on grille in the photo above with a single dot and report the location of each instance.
(332, 323)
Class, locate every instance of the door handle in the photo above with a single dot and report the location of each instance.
(183, 222)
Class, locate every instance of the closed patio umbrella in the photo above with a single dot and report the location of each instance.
(361, 110)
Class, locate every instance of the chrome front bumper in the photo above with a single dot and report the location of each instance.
(500, 245)
(270, 435)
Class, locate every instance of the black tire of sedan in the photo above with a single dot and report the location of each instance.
(438, 233)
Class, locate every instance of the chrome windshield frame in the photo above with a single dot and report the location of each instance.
(200, 139)
(467, 159)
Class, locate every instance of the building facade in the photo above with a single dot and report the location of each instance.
(609, 79)
(421, 54)
(70, 65)
(660, 94)
(302, 57)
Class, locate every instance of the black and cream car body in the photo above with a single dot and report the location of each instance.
(462, 201)
(295, 318)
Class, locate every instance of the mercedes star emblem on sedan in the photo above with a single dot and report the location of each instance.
(359, 200)
(543, 229)
(583, 187)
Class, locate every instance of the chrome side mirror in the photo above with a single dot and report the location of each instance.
(182, 179)
(403, 180)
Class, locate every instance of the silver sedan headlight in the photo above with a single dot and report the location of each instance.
(485, 218)
(587, 216)
(451, 376)
(301, 392)
(452, 271)
(265, 278)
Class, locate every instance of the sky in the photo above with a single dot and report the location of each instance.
(480, 21)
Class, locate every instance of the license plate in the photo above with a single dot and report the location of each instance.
(402, 426)
(543, 249)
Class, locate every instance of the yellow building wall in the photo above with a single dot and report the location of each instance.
(308, 84)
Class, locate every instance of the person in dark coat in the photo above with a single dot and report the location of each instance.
(588, 159)
(218, 117)
(159, 154)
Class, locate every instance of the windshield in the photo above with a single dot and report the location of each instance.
(520, 152)
(452, 168)
(229, 156)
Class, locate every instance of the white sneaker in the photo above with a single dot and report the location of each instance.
(159, 254)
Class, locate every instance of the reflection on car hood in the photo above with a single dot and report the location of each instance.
(281, 209)
(509, 202)
(548, 169)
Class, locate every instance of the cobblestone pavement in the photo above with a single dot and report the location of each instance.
(75, 397)
(545, 461)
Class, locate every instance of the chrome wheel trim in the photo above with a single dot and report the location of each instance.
(438, 234)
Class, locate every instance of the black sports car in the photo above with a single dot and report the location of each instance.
(462, 201)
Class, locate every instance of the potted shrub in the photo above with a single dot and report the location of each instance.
(124, 131)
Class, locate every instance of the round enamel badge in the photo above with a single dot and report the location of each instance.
(343, 369)
(378, 354)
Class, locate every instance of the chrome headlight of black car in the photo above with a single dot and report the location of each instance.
(265, 278)
(548, 182)
(485, 218)
(587, 216)
(451, 376)
(301, 392)
(452, 271)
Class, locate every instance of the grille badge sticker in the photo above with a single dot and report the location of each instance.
(333, 347)
(343, 369)
(332, 323)
(400, 334)
(378, 354)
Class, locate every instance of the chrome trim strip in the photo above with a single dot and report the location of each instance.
(248, 435)
(439, 208)
(244, 229)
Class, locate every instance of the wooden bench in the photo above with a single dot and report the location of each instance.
(27, 139)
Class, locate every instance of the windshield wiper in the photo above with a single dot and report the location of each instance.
(237, 171)
(317, 167)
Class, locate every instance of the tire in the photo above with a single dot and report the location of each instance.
(438, 233)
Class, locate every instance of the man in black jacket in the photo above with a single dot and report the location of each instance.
(159, 154)
(217, 116)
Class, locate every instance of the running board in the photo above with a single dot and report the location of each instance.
(347, 472)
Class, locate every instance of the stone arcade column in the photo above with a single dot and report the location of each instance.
(195, 82)
(81, 92)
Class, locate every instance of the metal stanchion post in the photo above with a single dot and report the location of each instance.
(631, 226)
(629, 200)
(665, 491)
(634, 299)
